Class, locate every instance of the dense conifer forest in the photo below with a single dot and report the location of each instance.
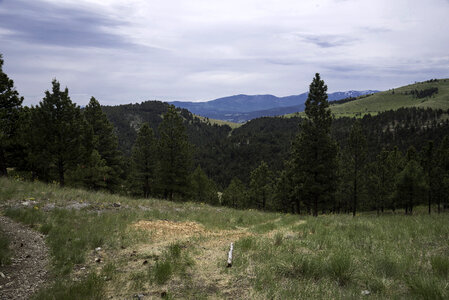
(316, 164)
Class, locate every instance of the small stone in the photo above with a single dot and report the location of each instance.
(98, 249)
(366, 292)
(3, 275)
(83, 268)
(116, 204)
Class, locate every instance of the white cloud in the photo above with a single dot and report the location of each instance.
(198, 50)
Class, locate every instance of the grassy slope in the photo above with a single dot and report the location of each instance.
(220, 122)
(384, 101)
(276, 255)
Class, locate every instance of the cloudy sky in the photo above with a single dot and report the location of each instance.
(136, 50)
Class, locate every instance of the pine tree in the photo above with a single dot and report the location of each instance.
(315, 152)
(175, 155)
(105, 143)
(395, 164)
(10, 107)
(429, 165)
(261, 186)
(235, 195)
(410, 185)
(442, 189)
(144, 160)
(357, 148)
(57, 133)
(203, 189)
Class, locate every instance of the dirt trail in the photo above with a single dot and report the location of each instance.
(28, 269)
(209, 276)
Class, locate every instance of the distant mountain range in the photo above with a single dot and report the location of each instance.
(242, 108)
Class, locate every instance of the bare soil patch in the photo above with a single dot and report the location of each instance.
(27, 272)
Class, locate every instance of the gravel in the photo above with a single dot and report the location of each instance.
(28, 270)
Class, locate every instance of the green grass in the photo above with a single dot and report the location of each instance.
(339, 257)
(174, 261)
(332, 257)
(233, 125)
(388, 100)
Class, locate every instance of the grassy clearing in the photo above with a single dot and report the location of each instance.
(389, 100)
(342, 257)
(276, 255)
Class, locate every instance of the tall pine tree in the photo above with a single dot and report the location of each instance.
(57, 129)
(144, 161)
(175, 155)
(357, 148)
(105, 143)
(10, 106)
(315, 152)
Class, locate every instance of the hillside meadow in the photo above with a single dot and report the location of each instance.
(393, 99)
(110, 246)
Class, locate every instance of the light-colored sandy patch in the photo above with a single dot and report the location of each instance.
(162, 229)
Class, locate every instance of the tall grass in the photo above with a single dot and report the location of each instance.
(332, 257)
(341, 256)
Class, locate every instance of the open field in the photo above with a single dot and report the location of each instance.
(219, 122)
(393, 100)
(156, 248)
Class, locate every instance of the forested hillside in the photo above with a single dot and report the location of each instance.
(394, 159)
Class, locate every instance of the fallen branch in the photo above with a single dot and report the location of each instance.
(230, 255)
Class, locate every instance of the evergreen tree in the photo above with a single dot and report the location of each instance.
(384, 178)
(10, 107)
(315, 152)
(395, 164)
(261, 186)
(175, 155)
(144, 161)
(285, 192)
(235, 195)
(430, 168)
(105, 143)
(57, 133)
(91, 174)
(203, 189)
(357, 148)
(410, 185)
(442, 188)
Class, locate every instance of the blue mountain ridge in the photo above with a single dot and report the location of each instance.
(242, 108)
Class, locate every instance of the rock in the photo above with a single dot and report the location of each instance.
(366, 292)
(3, 275)
(98, 249)
(116, 204)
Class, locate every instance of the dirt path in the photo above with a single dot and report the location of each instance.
(28, 269)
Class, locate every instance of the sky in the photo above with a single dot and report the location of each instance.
(130, 51)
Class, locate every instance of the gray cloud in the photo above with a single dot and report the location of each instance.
(328, 41)
(128, 51)
(51, 24)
